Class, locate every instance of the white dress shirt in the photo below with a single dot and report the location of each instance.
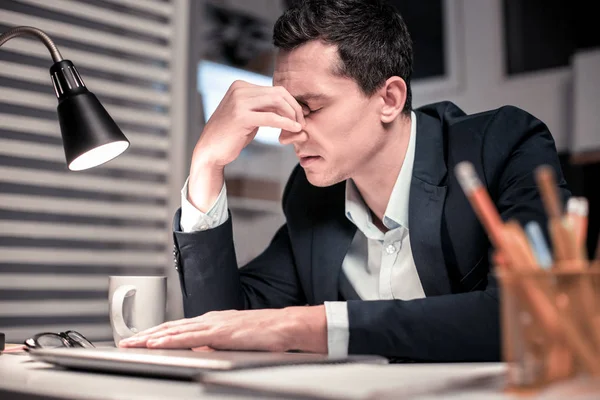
(378, 265)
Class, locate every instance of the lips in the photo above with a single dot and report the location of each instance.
(306, 160)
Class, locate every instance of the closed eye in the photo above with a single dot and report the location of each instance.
(306, 110)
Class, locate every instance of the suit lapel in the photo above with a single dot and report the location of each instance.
(332, 233)
(331, 239)
(426, 205)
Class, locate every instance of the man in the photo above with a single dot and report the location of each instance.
(381, 252)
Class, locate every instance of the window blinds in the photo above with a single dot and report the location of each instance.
(62, 233)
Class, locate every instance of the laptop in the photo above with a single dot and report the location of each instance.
(181, 364)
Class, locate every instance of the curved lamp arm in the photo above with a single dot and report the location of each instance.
(90, 136)
(29, 30)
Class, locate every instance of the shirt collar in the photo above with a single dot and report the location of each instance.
(396, 213)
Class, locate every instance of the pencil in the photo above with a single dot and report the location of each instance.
(522, 252)
(556, 358)
(577, 213)
(563, 239)
(540, 304)
(581, 232)
(481, 202)
(568, 234)
(558, 325)
(546, 182)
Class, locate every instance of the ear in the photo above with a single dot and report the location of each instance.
(393, 94)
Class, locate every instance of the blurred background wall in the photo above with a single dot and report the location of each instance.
(159, 66)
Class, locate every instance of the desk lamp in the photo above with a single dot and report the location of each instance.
(90, 136)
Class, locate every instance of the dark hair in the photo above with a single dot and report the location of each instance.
(372, 39)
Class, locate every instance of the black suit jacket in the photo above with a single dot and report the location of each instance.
(459, 318)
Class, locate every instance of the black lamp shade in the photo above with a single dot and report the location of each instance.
(90, 136)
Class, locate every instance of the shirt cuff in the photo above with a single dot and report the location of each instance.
(338, 328)
(193, 220)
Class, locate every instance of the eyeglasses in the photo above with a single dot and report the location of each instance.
(62, 339)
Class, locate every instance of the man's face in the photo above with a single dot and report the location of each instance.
(343, 128)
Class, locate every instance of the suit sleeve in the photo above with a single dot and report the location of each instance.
(465, 326)
(210, 279)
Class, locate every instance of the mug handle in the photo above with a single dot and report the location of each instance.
(116, 311)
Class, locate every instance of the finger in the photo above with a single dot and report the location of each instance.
(165, 325)
(276, 95)
(274, 120)
(156, 328)
(172, 328)
(240, 85)
(185, 340)
(159, 328)
(176, 330)
(294, 103)
(140, 341)
(251, 136)
(273, 102)
(203, 349)
(132, 342)
(499, 258)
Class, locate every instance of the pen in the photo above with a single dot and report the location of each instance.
(539, 245)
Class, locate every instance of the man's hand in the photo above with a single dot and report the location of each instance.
(292, 328)
(232, 126)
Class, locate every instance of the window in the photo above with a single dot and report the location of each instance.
(542, 34)
(425, 21)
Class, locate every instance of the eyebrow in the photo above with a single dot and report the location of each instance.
(306, 97)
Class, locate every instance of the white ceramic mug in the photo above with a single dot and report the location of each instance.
(136, 303)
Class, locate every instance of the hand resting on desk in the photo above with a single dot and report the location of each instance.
(291, 328)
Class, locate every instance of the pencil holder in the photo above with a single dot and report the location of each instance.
(550, 323)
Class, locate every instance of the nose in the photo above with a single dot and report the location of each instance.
(287, 137)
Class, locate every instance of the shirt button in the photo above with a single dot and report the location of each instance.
(390, 249)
